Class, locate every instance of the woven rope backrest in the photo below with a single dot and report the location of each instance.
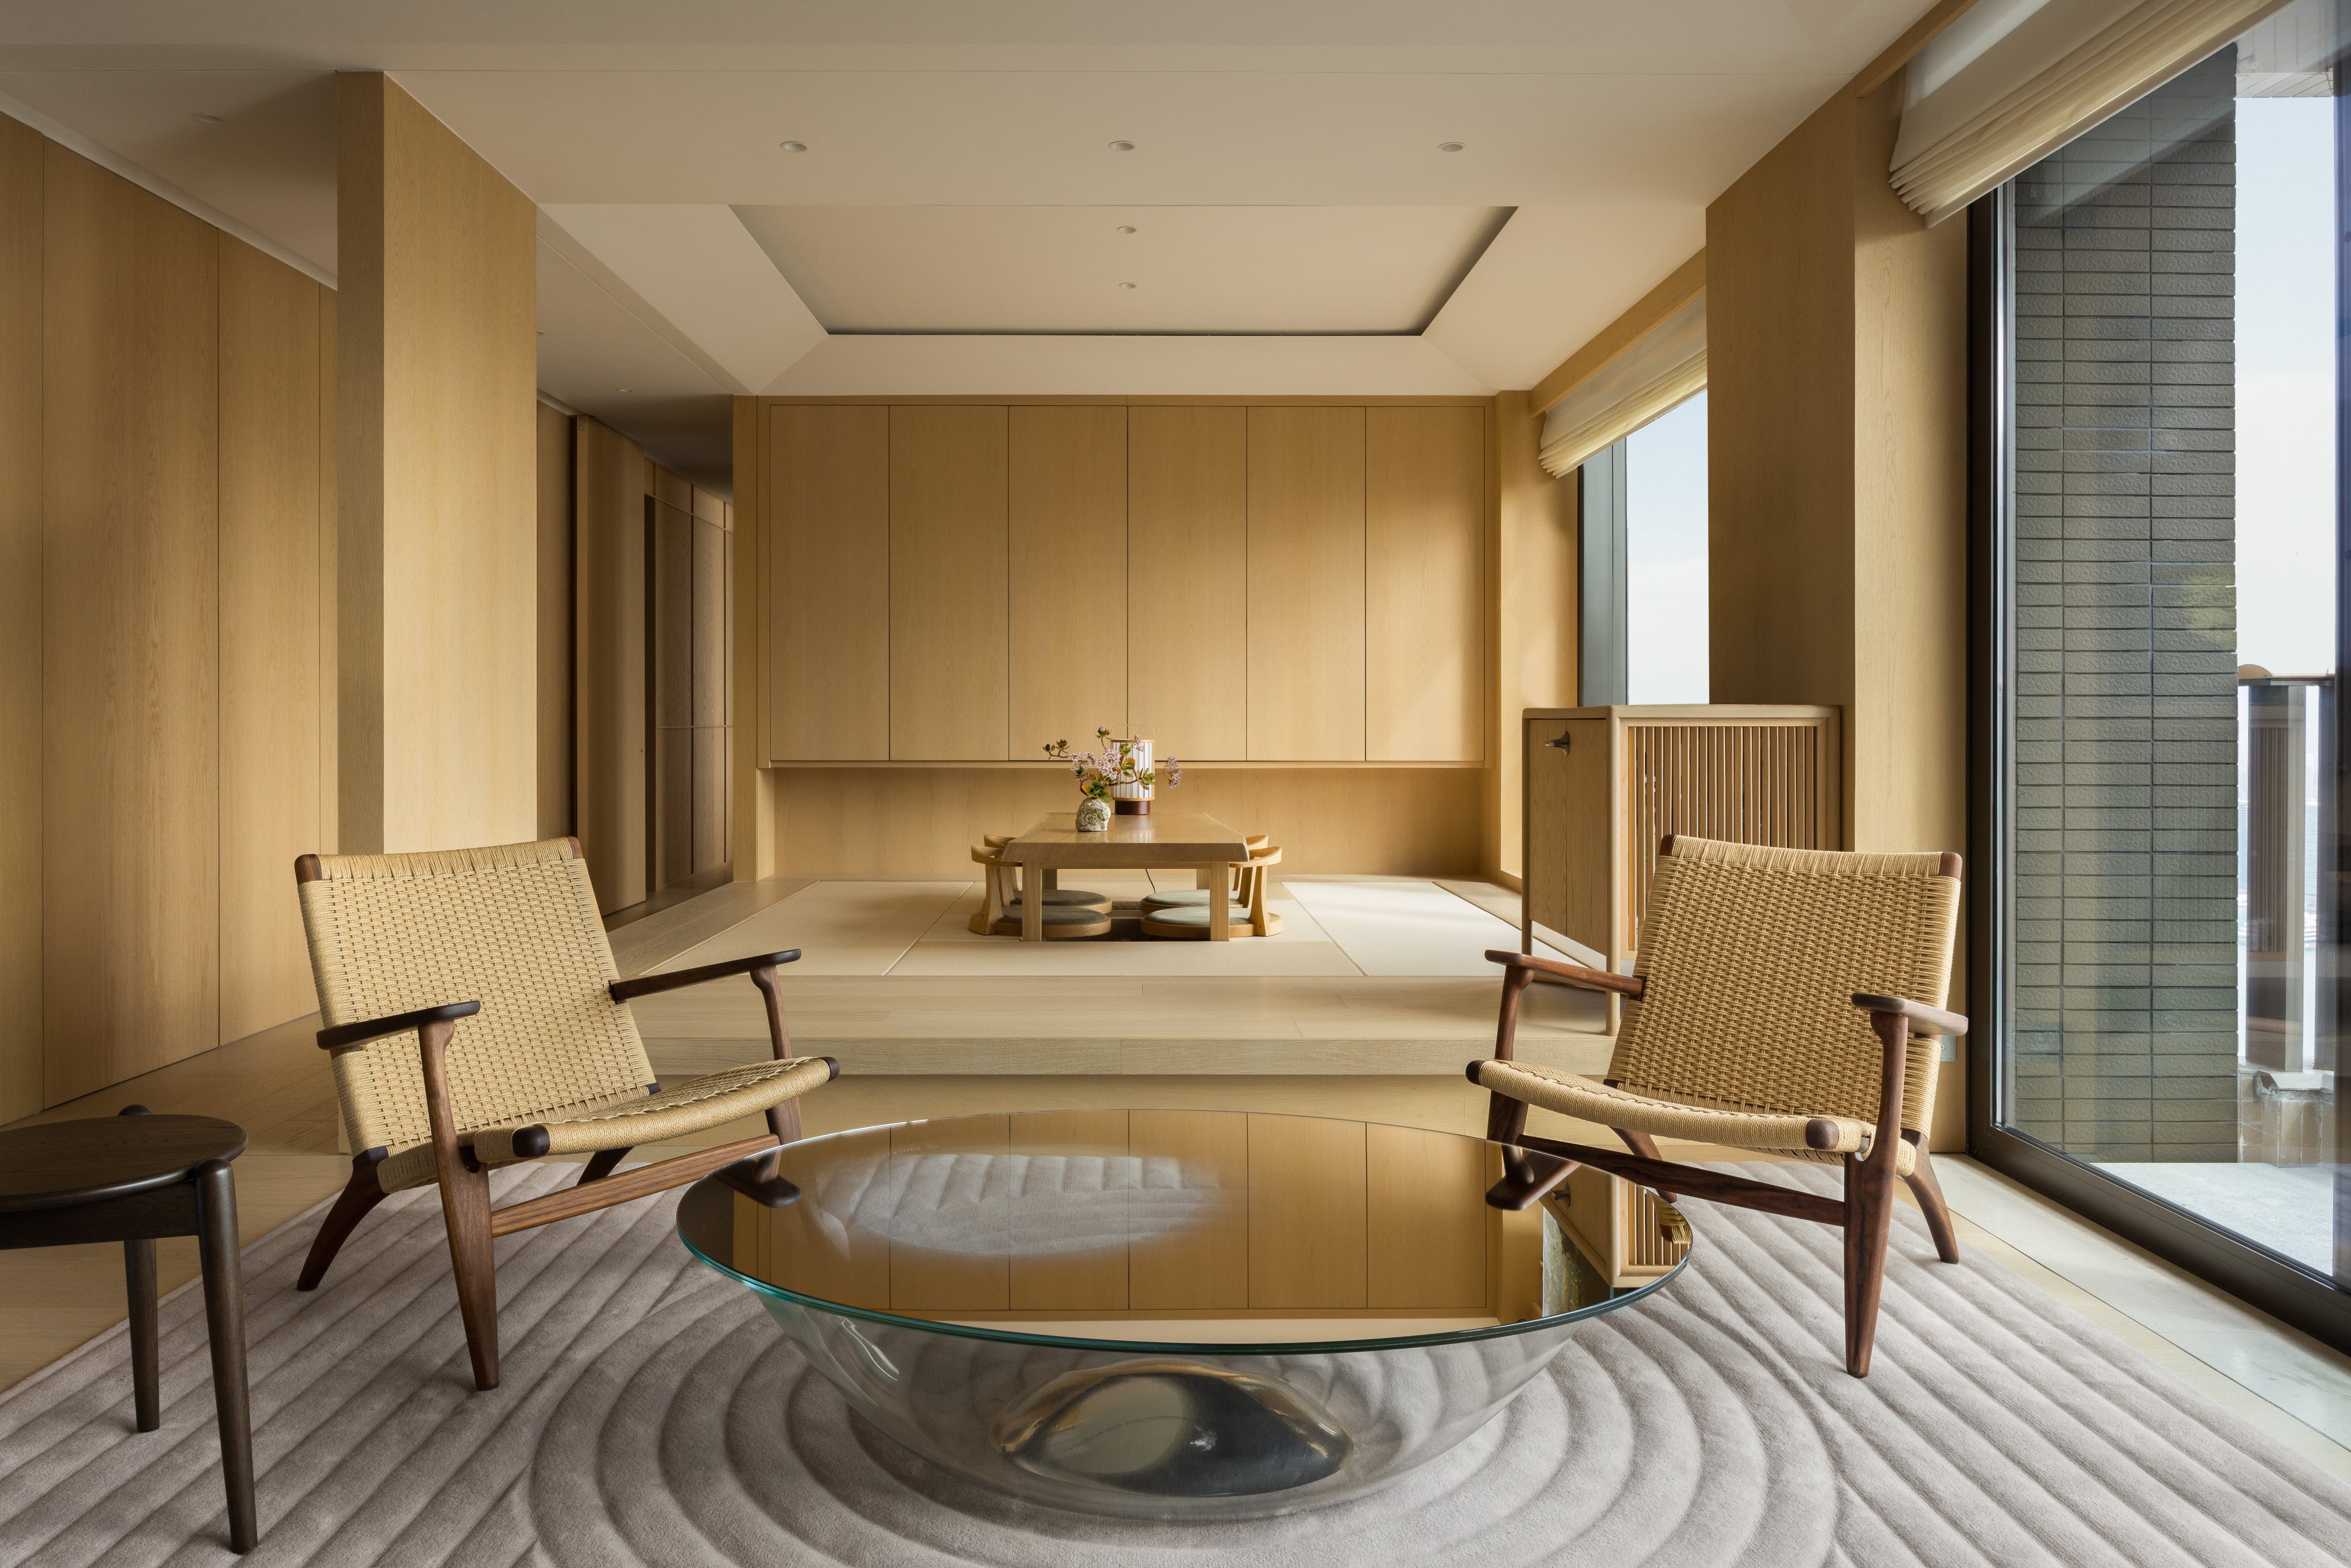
(514, 927)
(1751, 957)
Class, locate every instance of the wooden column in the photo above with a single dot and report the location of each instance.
(438, 722)
(20, 619)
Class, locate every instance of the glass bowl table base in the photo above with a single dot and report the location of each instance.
(1103, 1312)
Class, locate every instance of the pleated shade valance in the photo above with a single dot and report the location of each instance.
(1657, 370)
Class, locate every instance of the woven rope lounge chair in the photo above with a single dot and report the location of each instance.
(507, 942)
(1784, 1001)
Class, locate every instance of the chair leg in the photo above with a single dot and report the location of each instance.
(1869, 1219)
(1506, 1118)
(1646, 1146)
(1930, 1194)
(216, 1250)
(466, 1208)
(139, 1280)
(359, 1194)
(601, 1164)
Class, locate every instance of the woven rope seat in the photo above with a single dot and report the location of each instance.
(1189, 922)
(1666, 1116)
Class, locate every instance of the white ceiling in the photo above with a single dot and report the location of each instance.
(953, 217)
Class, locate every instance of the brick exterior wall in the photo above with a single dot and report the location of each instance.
(2124, 878)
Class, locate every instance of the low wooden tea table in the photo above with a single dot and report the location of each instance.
(1163, 840)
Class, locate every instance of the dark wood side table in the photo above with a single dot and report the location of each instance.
(132, 1178)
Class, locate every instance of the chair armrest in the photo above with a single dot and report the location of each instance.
(350, 1036)
(1924, 1019)
(1569, 974)
(646, 985)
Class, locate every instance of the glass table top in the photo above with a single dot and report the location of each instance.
(1220, 1230)
(1177, 1314)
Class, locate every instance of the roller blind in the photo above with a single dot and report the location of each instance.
(1658, 370)
(2012, 80)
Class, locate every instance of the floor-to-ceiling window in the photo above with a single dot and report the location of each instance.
(1644, 559)
(2162, 308)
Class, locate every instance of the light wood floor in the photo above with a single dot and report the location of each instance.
(276, 1085)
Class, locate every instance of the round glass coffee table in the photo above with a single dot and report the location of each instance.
(1177, 1314)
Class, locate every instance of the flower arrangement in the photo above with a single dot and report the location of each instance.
(1098, 772)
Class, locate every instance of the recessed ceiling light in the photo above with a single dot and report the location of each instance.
(1126, 228)
(1121, 146)
(210, 119)
(619, 389)
(1448, 146)
(795, 146)
(1126, 286)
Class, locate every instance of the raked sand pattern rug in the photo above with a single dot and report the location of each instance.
(651, 1413)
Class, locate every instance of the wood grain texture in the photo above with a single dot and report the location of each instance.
(438, 474)
(708, 672)
(949, 655)
(670, 595)
(609, 773)
(711, 842)
(1205, 1265)
(20, 618)
(857, 821)
(1306, 584)
(131, 819)
(1533, 637)
(828, 591)
(330, 537)
(1418, 1185)
(751, 797)
(1068, 576)
(1308, 1242)
(673, 801)
(1423, 584)
(556, 578)
(270, 695)
(1187, 581)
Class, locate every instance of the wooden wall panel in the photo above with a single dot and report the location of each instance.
(556, 581)
(1307, 1197)
(269, 671)
(670, 602)
(949, 657)
(20, 619)
(130, 887)
(1067, 577)
(972, 1279)
(829, 603)
(610, 765)
(1534, 637)
(1423, 584)
(438, 474)
(1420, 1257)
(1306, 584)
(1056, 1280)
(712, 846)
(330, 537)
(1188, 580)
(708, 674)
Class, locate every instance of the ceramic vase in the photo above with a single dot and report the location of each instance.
(1093, 816)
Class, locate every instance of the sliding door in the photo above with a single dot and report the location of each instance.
(2159, 319)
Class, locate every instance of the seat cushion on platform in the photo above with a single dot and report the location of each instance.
(1190, 923)
(628, 1121)
(1067, 897)
(1062, 922)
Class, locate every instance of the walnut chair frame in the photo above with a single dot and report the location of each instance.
(462, 1173)
(1533, 1166)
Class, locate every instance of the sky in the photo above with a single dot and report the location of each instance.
(1664, 557)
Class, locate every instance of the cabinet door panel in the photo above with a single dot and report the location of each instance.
(1067, 577)
(1425, 584)
(1187, 577)
(949, 655)
(829, 588)
(1306, 584)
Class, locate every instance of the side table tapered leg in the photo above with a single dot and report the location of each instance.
(224, 1322)
(139, 1280)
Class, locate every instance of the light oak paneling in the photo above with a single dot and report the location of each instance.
(1532, 640)
(708, 674)
(330, 628)
(843, 1262)
(1205, 1265)
(1068, 579)
(1188, 580)
(751, 797)
(1053, 1280)
(610, 774)
(949, 658)
(1308, 1246)
(974, 1279)
(1306, 584)
(1423, 584)
(829, 601)
(873, 822)
(557, 580)
(1419, 1254)
(711, 846)
(672, 597)
(438, 475)
(269, 670)
(131, 886)
(20, 619)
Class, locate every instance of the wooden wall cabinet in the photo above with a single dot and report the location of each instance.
(1605, 785)
(1423, 584)
(828, 584)
(1306, 584)
(949, 605)
(1188, 580)
(1068, 576)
